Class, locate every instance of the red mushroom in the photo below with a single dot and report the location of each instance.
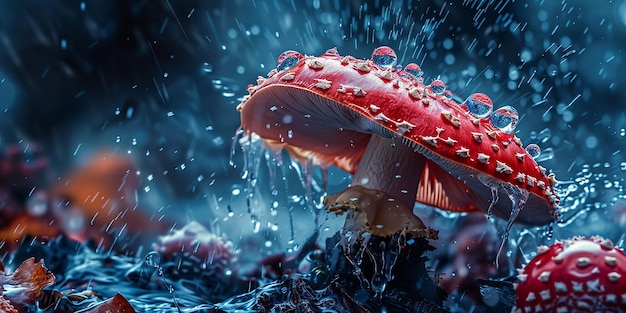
(403, 140)
(194, 239)
(577, 275)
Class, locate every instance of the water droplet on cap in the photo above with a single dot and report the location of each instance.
(533, 150)
(505, 119)
(414, 70)
(288, 59)
(332, 51)
(454, 97)
(384, 57)
(438, 86)
(479, 105)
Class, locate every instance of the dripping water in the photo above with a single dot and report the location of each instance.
(292, 233)
(274, 164)
(233, 147)
(493, 201)
(493, 186)
(308, 189)
(253, 150)
(278, 172)
(324, 180)
(518, 198)
(379, 279)
(550, 231)
(357, 259)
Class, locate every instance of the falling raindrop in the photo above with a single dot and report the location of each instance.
(544, 135)
(533, 150)
(479, 105)
(288, 59)
(236, 190)
(384, 57)
(505, 119)
(207, 68)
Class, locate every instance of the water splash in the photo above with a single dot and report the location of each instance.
(153, 259)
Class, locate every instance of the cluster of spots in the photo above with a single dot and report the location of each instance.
(575, 275)
(429, 118)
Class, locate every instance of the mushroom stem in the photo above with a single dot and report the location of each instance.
(383, 187)
(390, 167)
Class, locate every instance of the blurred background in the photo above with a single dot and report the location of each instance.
(156, 83)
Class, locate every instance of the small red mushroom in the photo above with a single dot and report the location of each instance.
(194, 239)
(402, 140)
(577, 275)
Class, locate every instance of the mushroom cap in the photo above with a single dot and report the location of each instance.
(574, 275)
(326, 108)
(196, 240)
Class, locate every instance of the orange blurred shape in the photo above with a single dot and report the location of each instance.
(98, 201)
(24, 225)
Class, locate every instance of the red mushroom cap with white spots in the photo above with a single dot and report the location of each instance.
(577, 275)
(328, 107)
